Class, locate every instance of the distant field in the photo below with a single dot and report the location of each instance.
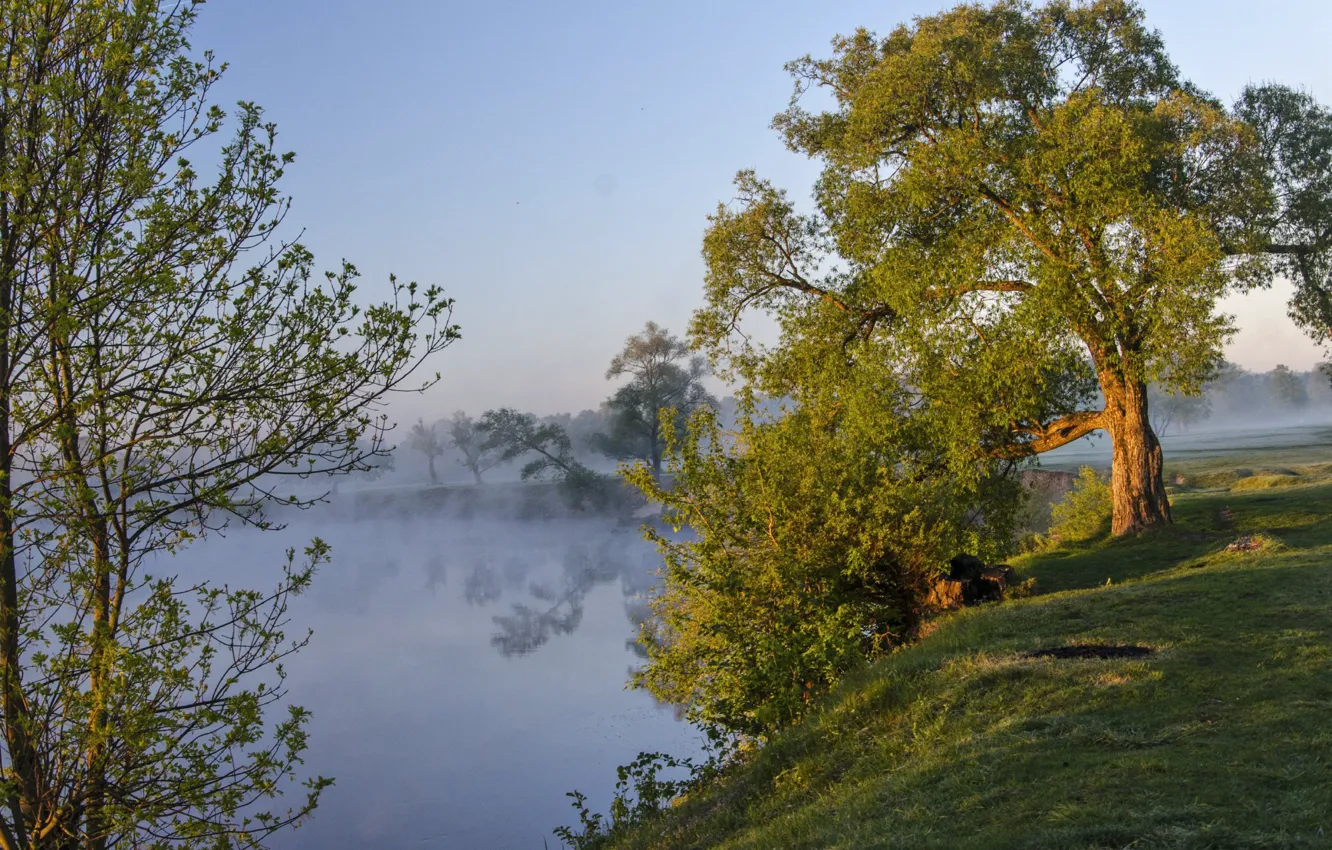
(1285, 444)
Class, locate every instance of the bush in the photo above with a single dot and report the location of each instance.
(640, 794)
(814, 546)
(1085, 512)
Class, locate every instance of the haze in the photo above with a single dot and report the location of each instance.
(551, 165)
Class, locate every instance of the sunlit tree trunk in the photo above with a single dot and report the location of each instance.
(1136, 480)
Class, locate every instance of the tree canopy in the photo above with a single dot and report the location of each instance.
(511, 435)
(1033, 205)
(467, 438)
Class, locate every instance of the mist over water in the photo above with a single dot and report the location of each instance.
(463, 674)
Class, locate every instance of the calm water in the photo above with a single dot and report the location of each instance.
(463, 675)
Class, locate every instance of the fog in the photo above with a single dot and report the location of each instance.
(1213, 440)
(463, 674)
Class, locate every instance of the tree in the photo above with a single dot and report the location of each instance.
(1289, 234)
(377, 467)
(1287, 388)
(470, 442)
(815, 538)
(1033, 205)
(662, 375)
(425, 440)
(513, 435)
(166, 363)
(1177, 409)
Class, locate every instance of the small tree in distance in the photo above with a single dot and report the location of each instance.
(512, 435)
(1176, 409)
(425, 440)
(1287, 388)
(467, 438)
(663, 375)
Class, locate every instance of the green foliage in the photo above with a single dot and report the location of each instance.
(662, 375)
(1292, 233)
(813, 540)
(1085, 512)
(1026, 202)
(166, 362)
(640, 795)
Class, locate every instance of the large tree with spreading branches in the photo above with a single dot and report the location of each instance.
(167, 360)
(1040, 213)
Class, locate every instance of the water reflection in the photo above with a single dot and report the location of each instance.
(552, 605)
(482, 678)
(482, 586)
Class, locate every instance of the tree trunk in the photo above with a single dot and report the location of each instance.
(1136, 483)
(476, 471)
(434, 479)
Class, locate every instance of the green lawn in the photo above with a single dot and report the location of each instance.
(1222, 738)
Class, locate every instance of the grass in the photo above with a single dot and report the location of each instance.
(1222, 738)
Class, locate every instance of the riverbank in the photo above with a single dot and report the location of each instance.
(1212, 733)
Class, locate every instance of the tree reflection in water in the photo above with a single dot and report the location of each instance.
(482, 585)
(529, 627)
(555, 596)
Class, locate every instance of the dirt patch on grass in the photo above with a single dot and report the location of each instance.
(1092, 650)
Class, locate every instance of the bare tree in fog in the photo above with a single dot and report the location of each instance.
(662, 375)
(469, 440)
(164, 359)
(425, 440)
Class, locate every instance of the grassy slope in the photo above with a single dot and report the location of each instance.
(1223, 738)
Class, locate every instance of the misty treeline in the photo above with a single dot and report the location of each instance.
(1236, 397)
(1233, 396)
(656, 374)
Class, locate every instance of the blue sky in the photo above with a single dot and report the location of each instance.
(551, 164)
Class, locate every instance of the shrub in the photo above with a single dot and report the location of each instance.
(1085, 512)
(815, 540)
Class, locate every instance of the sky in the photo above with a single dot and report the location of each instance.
(551, 165)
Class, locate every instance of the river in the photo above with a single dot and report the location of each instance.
(463, 675)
